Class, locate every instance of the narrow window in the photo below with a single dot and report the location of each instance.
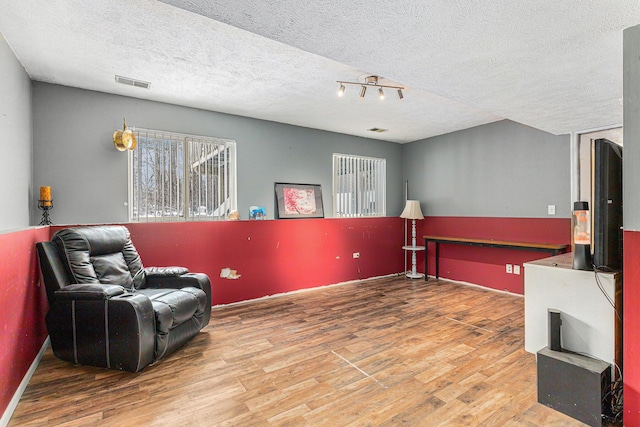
(359, 186)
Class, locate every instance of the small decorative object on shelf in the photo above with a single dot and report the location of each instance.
(412, 211)
(45, 204)
(257, 212)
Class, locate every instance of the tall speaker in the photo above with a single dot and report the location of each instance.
(555, 330)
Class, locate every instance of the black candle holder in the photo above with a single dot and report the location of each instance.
(45, 206)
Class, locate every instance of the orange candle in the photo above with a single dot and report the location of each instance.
(45, 195)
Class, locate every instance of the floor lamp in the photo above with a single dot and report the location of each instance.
(412, 211)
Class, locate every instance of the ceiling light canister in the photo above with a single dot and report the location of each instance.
(381, 94)
(341, 90)
(363, 91)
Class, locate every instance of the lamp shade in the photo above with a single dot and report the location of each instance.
(412, 210)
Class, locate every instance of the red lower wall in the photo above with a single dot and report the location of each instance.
(631, 338)
(23, 305)
(273, 257)
(280, 256)
(486, 266)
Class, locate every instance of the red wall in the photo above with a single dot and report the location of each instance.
(285, 255)
(272, 257)
(486, 266)
(631, 337)
(23, 304)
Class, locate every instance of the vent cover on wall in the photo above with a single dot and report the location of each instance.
(132, 82)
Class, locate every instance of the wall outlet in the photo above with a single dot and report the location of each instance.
(356, 255)
(509, 269)
(551, 209)
(516, 269)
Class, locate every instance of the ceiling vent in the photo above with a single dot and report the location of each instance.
(379, 130)
(132, 82)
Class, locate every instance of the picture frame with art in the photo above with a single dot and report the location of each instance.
(299, 200)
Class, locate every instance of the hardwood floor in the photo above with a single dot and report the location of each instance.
(384, 352)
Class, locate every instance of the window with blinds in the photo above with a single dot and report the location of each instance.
(178, 177)
(359, 186)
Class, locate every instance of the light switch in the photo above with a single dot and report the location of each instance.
(551, 209)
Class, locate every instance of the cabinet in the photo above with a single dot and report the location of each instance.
(590, 324)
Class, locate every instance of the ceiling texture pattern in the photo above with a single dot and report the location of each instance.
(555, 65)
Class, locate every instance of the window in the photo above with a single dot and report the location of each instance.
(359, 186)
(176, 177)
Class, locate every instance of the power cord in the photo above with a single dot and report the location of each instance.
(613, 398)
(597, 270)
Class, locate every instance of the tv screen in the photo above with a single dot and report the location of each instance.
(607, 205)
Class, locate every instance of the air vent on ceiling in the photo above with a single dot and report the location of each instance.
(132, 82)
(379, 130)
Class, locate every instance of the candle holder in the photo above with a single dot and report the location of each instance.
(45, 206)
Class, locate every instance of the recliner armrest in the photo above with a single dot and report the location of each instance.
(165, 271)
(88, 291)
(195, 280)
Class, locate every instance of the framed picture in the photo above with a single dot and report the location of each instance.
(299, 200)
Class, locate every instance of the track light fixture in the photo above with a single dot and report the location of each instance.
(368, 82)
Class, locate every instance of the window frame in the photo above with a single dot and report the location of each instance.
(380, 173)
(185, 139)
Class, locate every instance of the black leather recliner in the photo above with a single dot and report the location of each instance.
(107, 310)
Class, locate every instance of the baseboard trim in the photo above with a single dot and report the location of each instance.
(297, 291)
(8, 413)
(475, 285)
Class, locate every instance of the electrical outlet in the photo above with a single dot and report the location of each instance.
(516, 269)
(356, 255)
(509, 268)
(551, 209)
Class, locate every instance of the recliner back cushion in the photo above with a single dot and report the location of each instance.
(111, 269)
(102, 254)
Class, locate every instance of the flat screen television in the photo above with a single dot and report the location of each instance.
(607, 204)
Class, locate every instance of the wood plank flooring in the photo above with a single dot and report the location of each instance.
(384, 352)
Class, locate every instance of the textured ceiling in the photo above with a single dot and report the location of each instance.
(554, 65)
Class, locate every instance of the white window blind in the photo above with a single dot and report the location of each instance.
(359, 186)
(178, 177)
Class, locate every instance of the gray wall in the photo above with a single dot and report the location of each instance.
(502, 169)
(631, 157)
(16, 142)
(74, 152)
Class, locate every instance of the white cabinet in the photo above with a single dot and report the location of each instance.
(589, 322)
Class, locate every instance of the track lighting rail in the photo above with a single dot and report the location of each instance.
(371, 81)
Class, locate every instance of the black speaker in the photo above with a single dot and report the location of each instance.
(575, 385)
(555, 322)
